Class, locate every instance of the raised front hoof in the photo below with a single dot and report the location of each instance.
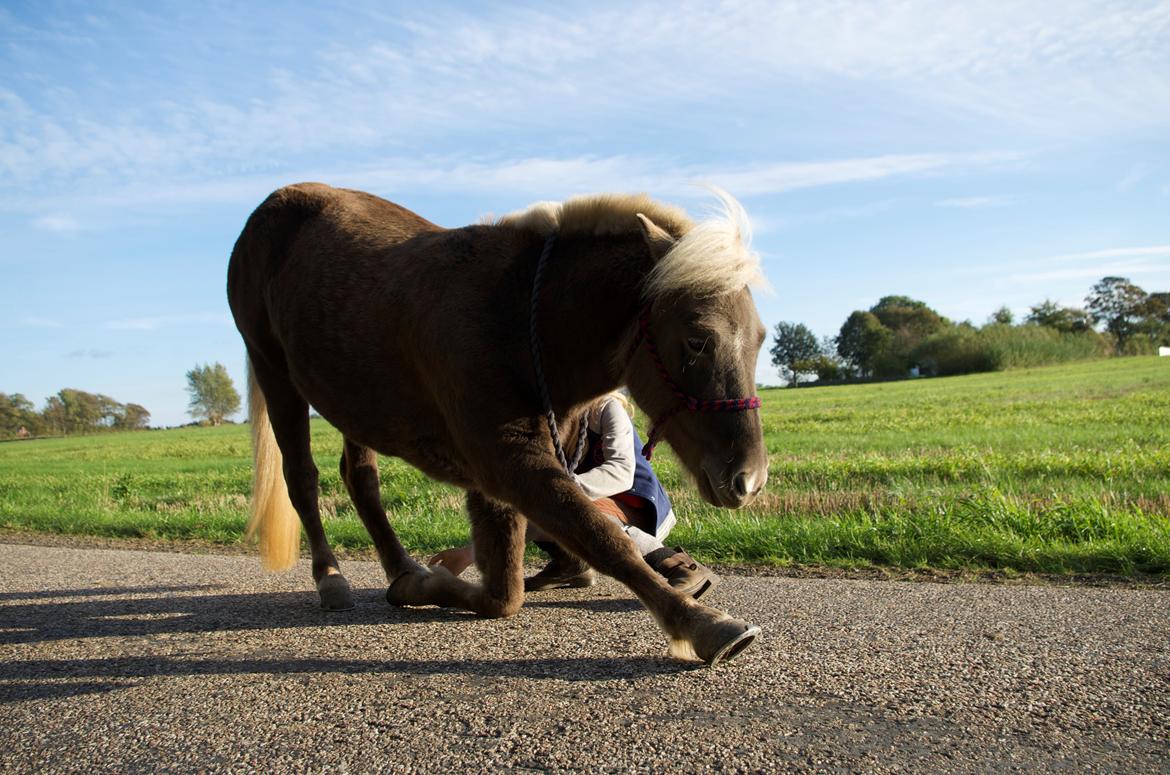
(720, 641)
(335, 593)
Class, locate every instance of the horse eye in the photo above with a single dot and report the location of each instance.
(696, 344)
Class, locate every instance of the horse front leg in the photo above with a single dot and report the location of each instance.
(497, 531)
(695, 631)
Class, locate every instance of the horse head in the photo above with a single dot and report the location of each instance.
(692, 362)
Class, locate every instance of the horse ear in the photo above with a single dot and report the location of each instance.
(657, 239)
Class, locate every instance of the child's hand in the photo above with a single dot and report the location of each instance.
(455, 560)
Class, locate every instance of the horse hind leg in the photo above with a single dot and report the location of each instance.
(359, 471)
(280, 435)
(498, 533)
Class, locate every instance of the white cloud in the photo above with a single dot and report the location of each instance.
(1094, 255)
(545, 177)
(1111, 269)
(588, 174)
(57, 223)
(167, 321)
(438, 78)
(1101, 262)
(972, 202)
(38, 322)
(763, 224)
(778, 178)
(1136, 174)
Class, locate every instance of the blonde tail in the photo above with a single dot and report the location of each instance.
(273, 517)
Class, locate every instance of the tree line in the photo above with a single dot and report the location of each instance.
(901, 336)
(68, 412)
(71, 411)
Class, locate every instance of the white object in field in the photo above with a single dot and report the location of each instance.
(1164, 351)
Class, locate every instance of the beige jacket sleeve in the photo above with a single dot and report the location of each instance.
(616, 472)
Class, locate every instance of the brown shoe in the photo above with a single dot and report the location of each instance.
(682, 572)
(563, 570)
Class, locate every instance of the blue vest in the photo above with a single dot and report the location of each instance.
(646, 484)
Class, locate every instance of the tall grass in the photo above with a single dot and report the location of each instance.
(994, 347)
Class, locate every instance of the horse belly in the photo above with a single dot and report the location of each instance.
(396, 427)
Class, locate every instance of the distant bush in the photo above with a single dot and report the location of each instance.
(956, 350)
(997, 346)
(1140, 344)
(824, 366)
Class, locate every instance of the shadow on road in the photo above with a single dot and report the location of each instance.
(169, 613)
(42, 679)
(46, 594)
(608, 605)
(75, 614)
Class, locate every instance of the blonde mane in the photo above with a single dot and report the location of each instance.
(708, 259)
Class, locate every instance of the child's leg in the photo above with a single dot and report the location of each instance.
(630, 520)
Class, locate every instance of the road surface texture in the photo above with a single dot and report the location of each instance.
(129, 661)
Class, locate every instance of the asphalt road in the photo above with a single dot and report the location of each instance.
(120, 661)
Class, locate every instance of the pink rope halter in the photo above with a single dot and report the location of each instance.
(686, 401)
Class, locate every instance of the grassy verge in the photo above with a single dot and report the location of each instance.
(1057, 470)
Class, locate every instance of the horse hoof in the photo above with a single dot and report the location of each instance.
(408, 588)
(335, 593)
(721, 641)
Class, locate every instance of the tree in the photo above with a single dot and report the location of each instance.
(825, 366)
(1156, 317)
(69, 411)
(17, 412)
(1157, 306)
(1002, 316)
(861, 341)
(77, 411)
(213, 396)
(794, 343)
(1117, 303)
(1049, 314)
(909, 322)
(910, 316)
(54, 416)
(132, 417)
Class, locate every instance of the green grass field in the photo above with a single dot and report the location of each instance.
(1062, 469)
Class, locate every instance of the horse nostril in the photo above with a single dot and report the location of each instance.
(740, 485)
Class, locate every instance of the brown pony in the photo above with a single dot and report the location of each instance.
(414, 341)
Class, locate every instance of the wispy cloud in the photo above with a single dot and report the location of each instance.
(95, 354)
(1120, 261)
(763, 224)
(1114, 269)
(448, 78)
(973, 202)
(57, 223)
(664, 175)
(778, 178)
(38, 322)
(1136, 174)
(168, 321)
(549, 177)
(1117, 262)
(1096, 255)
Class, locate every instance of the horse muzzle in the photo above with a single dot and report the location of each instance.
(732, 486)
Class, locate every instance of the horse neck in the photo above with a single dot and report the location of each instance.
(588, 314)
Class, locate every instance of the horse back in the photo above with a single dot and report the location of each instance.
(264, 245)
(376, 313)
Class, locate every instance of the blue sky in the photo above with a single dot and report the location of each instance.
(972, 155)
